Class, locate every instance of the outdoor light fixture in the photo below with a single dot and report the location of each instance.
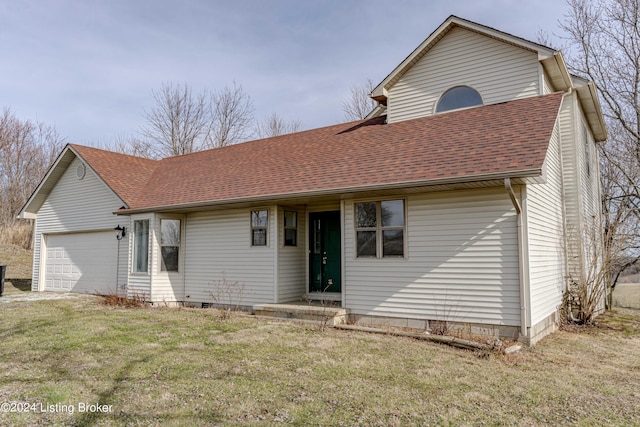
(120, 232)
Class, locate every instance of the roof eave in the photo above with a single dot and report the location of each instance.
(536, 174)
(588, 96)
(35, 201)
(556, 68)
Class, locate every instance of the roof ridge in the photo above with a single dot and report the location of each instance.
(111, 152)
(284, 135)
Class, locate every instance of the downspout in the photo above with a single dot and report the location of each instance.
(524, 280)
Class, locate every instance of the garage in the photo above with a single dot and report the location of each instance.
(81, 262)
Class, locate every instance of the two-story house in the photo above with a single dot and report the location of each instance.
(451, 202)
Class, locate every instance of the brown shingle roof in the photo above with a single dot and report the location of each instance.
(126, 175)
(471, 144)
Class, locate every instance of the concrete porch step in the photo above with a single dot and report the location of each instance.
(317, 313)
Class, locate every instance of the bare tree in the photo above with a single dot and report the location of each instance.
(231, 117)
(178, 122)
(604, 37)
(182, 122)
(359, 104)
(275, 125)
(133, 146)
(27, 149)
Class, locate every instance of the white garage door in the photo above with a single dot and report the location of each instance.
(82, 262)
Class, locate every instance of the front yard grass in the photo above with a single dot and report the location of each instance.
(175, 367)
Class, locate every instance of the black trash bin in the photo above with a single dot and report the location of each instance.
(2, 270)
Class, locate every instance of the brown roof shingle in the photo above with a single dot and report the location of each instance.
(126, 175)
(510, 137)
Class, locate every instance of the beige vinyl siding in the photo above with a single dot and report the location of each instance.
(461, 262)
(589, 169)
(545, 227)
(140, 283)
(590, 188)
(498, 71)
(547, 87)
(571, 180)
(324, 206)
(291, 260)
(219, 242)
(76, 205)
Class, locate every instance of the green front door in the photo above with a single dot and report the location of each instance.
(324, 252)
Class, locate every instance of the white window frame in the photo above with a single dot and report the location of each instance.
(164, 245)
(446, 91)
(286, 227)
(134, 263)
(379, 229)
(259, 227)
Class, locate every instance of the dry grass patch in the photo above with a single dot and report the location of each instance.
(20, 233)
(190, 367)
(18, 273)
(627, 295)
(134, 301)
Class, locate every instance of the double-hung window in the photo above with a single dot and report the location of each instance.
(259, 225)
(290, 228)
(141, 246)
(380, 228)
(170, 244)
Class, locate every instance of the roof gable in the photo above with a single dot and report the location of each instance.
(379, 93)
(124, 175)
(552, 62)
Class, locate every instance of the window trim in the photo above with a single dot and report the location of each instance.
(134, 262)
(258, 227)
(162, 245)
(285, 227)
(379, 229)
(449, 89)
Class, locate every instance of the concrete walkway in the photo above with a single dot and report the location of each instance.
(39, 296)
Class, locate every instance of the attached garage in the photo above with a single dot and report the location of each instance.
(81, 262)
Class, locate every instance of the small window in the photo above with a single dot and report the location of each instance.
(290, 228)
(259, 221)
(380, 229)
(141, 246)
(170, 244)
(458, 97)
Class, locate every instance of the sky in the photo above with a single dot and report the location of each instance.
(89, 67)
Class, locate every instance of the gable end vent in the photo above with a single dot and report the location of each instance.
(81, 171)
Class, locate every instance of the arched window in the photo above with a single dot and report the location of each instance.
(458, 97)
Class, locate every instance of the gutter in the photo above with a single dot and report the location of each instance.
(522, 263)
(496, 176)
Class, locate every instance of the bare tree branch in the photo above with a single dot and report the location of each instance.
(359, 104)
(178, 121)
(231, 117)
(274, 125)
(605, 39)
(27, 149)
